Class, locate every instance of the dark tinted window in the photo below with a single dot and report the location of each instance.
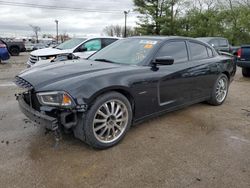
(210, 52)
(198, 51)
(106, 42)
(223, 42)
(175, 49)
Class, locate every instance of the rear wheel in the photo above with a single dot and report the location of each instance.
(220, 90)
(14, 51)
(246, 72)
(108, 120)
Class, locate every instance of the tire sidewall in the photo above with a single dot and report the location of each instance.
(246, 72)
(14, 51)
(214, 99)
(88, 122)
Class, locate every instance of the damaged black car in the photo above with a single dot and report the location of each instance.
(131, 80)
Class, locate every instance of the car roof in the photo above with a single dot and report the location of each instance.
(102, 37)
(163, 38)
(210, 38)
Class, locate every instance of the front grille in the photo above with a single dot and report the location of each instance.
(33, 59)
(23, 83)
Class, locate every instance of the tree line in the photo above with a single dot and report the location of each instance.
(193, 18)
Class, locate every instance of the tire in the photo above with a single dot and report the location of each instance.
(103, 129)
(220, 90)
(246, 72)
(14, 51)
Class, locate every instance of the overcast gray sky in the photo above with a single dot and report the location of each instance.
(15, 20)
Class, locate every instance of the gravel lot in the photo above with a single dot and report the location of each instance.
(199, 146)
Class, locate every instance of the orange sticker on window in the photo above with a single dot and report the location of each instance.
(148, 46)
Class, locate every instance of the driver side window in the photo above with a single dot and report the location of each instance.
(176, 50)
(93, 45)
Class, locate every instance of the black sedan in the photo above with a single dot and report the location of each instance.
(129, 81)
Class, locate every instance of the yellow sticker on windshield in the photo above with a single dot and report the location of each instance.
(148, 46)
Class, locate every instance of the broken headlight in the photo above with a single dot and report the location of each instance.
(56, 98)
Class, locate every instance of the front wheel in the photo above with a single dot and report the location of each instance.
(220, 90)
(107, 120)
(246, 72)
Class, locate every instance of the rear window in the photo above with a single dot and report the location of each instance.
(223, 43)
(198, 51)
(214, 43)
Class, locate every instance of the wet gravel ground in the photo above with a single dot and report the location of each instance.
(199, 146)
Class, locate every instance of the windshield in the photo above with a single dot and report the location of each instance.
(127, 51)
(69, 44)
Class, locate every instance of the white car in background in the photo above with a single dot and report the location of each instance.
(78, 47)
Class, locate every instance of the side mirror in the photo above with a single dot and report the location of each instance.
(165, 60)
(82, 49)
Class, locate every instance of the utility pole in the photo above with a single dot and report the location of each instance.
(125, 28)
(56, 31)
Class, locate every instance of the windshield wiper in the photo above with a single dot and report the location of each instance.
(104, 60)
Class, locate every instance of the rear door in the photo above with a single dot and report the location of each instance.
(204, 69)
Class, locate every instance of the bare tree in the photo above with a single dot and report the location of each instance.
(118, 30)
(35, 29)
(108, 30)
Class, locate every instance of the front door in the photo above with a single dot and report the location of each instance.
(174, 86)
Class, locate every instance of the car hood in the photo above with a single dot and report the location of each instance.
(49, 52)
(45, 75)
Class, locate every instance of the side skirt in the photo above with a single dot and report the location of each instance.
(140, 120)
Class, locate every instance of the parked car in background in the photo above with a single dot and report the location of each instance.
(243, 59)
(127, 82)
(219, 43)
(4, 53)
(29, 46)
(38, 46)
(14, 47)
(80, 47)
(234, 50)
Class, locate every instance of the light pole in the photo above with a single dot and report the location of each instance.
(56, 31)
(125, 28)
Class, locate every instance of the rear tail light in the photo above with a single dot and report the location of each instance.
(2, 46)
(239, 52)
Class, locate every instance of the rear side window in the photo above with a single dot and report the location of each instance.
(175, 49)
(106, 42)
(198, 51)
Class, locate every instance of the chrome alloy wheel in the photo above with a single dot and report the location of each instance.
(221, 90)
(110, 121)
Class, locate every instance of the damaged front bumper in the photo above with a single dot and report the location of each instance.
(51, 123)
